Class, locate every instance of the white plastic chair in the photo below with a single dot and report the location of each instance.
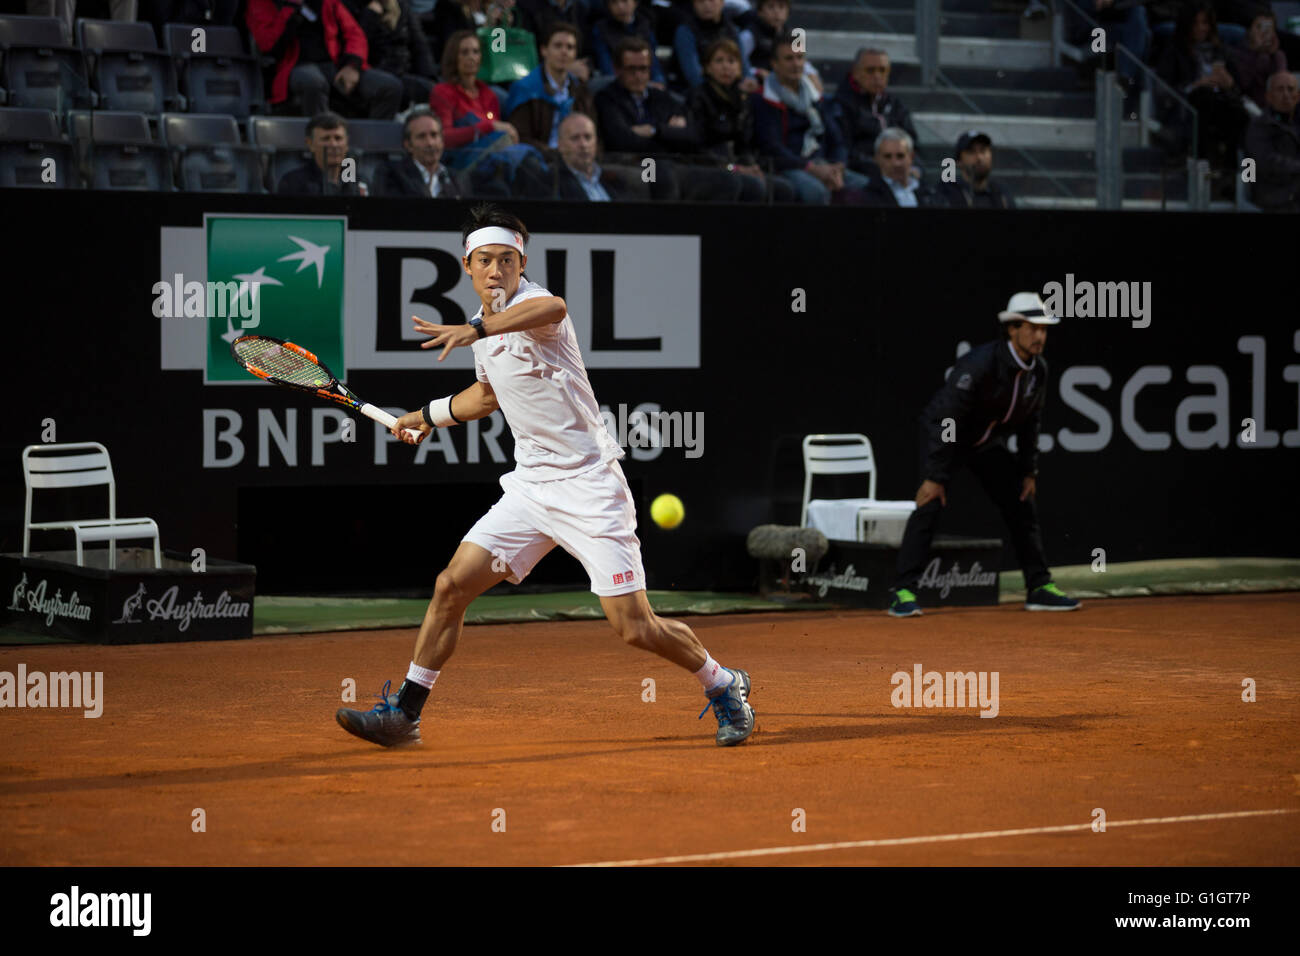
(851, 454)
(49, 466)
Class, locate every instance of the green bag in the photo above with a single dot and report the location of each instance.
(518, 59)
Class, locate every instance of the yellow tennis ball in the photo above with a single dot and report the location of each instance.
(667, 511)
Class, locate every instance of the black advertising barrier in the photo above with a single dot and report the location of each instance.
(961, 572)
(132, 604)
(757, 325)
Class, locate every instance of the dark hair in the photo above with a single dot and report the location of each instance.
(629, 45)
(785, 39)
(326, 120)
(762, 3)
(1011, 326)
(1187, 18)
(487, 214)
(724, 45)
(558, 26)
(450, 64)
(418, 112)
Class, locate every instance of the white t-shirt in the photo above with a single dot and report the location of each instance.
(542, 388)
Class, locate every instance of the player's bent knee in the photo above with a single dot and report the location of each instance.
(448, 591)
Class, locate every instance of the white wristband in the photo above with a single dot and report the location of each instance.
(439, 413)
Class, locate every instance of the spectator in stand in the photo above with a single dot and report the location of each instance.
(1260, 57)
(704, 23)
(623, 19)
(539, 101)
(865, 108)
(896, 185)
(318, 45)
(468, 110)
(1196, 65)
(535, 15)
(794, 125)
(765, 24)
(648, 123)
(206, 12)
(449, 16)
(327, 139)
(1236, 16)
(974, 189)
(725, 119)
(1125, 24)
(577, 175)
(1273, 142)
(420, 174)
(397, 45)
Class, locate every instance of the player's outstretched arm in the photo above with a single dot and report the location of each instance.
(477, 401)
(530, 314)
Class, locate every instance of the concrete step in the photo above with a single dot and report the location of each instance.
(1138, 160)
(1042, 132)
(986, 7)
(919, 98)
(826, 16)
(1047, 79)
(1006, 54)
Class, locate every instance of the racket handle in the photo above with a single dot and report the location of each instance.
(385, 419)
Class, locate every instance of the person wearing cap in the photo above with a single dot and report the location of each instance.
(567, 487)
(993, 392)
(973, 188)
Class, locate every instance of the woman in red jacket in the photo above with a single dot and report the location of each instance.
(469, 110)
(317, 44)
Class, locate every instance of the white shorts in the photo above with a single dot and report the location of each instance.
(591, 516)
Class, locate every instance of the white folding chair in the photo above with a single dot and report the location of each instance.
(51, 466)
(849, 519)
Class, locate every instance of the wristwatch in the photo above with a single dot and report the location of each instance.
(477, 323)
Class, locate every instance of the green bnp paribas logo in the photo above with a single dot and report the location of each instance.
(294, 267)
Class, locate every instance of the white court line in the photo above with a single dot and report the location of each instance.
(939, 838)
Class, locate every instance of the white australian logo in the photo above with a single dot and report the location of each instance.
(36, 600)
(954, 577)
(847, 580)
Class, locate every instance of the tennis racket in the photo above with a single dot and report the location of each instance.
(283, 363)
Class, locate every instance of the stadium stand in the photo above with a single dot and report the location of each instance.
(222, 78)
(208, 155)
(41, 67)
(115, 150)
(34, 151)
(128, 70)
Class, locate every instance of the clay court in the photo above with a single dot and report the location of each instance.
(1133, 706)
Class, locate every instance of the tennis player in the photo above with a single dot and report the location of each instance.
(567, 487)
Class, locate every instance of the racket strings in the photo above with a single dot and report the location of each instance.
(282, 363)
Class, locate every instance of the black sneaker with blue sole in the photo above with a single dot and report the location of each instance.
(736, 719)
(385, 724)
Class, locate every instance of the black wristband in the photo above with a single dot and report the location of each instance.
(453, 414)
(424, 410)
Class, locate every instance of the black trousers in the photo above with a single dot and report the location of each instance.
(997, 472)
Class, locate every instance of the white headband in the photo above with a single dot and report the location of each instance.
(494, 236)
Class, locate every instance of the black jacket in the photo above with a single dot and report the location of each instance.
(985, 387)
(1274, 143)
(308, 180)
(725, 120)
(962, 195)
(401, 50)
(862, 118)
(879, 194)
(402, 178)
(617, 112)
(568, 187)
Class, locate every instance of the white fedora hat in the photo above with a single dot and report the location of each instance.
(1027, 307)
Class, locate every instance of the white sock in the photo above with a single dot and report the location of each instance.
(422, 675)
(712, 675)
